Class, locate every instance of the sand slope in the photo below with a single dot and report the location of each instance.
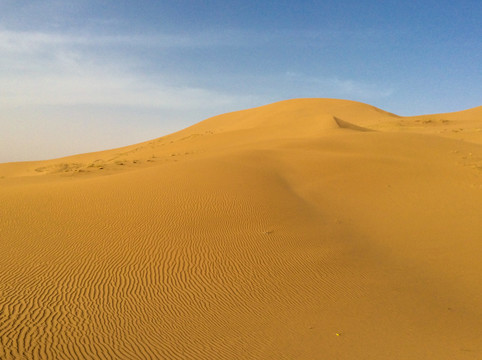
(306, 229)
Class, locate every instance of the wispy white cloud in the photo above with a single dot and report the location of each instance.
(53, 83)
(39, 67)
(53, 69)
(28, 42)
(359, 89)
(31, 41)
(69, 80)
(95, 86)
(341, 87)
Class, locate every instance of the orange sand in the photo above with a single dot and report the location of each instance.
(305, 229)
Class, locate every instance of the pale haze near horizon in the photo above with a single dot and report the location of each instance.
(80, 76)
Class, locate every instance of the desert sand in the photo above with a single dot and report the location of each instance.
(304, 229)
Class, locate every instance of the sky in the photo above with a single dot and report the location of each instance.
(86, 75)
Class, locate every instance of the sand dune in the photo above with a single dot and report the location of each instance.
(305, 229)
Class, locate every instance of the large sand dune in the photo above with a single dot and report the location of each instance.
(305, 229)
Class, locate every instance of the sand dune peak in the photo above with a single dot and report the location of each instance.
(303, 229)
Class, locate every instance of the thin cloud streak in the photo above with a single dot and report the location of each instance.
(55, 83)
(341, 87)
(51, 69)
(31, 41)
(104, 78)
(42, 68)
(98, 88)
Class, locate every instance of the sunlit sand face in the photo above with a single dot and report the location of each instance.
(307, 229)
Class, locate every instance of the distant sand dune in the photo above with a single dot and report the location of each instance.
(306, 229)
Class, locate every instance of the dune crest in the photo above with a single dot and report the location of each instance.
(304, 229)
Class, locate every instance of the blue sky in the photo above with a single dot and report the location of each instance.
(84, 75)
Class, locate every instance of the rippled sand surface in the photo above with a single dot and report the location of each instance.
(305, 229)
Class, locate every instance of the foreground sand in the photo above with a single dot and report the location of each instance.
(306, 229)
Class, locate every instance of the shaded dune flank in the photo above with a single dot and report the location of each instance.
(305, 229)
